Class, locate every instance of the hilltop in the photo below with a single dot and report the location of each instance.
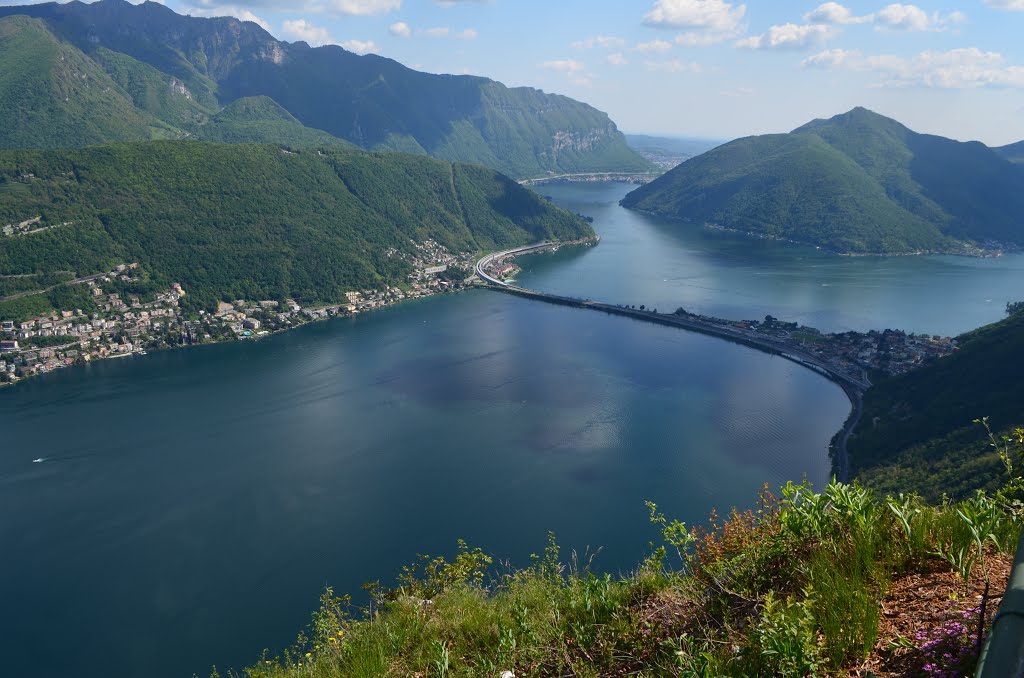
(158, 73)
(855, 183)
(253, 221)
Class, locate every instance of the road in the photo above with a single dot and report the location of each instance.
(595, 176)
(853, 385)
(76, 281)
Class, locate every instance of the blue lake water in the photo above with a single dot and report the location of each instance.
(194, 503)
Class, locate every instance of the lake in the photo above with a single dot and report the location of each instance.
(193, 504)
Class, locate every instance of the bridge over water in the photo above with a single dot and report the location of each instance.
(853, 385)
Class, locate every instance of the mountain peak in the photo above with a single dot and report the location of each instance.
(858, 117)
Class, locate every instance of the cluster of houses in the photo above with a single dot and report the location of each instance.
(888, 351)
(123, 326)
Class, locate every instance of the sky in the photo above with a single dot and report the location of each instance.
(706, 68)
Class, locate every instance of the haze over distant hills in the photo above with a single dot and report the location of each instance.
(112, 71)
(856, 183)
(1013, 152)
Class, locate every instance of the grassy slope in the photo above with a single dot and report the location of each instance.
(858, 182)
(795, 588)
(917, 431)
(52, 95)
(241, 221)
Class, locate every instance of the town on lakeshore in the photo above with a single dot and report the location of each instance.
(122, 326)
(857, 354)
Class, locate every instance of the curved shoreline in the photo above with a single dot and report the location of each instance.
(853, 387)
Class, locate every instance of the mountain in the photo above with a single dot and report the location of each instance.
(254, 221)
(259, 119)
(1013, 152)
(179, 69)
(856, 183)
(52, 95)
(917, 431)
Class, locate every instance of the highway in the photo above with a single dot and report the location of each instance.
(853, 385)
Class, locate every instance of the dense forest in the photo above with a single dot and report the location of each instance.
(857, 183)
(918, 431)
(255, 222)
(77, 74)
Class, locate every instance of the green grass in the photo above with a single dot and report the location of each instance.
(792, 588)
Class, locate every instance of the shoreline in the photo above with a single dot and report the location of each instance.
(971, 252)
(306, 316)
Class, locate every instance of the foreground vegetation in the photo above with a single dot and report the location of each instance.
(805, 584)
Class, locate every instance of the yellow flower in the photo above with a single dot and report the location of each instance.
(333, 639)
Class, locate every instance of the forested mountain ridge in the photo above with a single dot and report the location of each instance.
(1013, 152)
(371, 101)
(856, 183)
(918, 431)
(256, 222)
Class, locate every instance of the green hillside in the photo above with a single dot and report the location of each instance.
(52, 95)
(858, 182)
(256, 222)
(262, 120)
(176, 68)
(917, 432)
(1013, 152)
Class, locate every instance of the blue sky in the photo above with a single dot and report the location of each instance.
(712, 68)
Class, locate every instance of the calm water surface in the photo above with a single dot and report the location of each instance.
(193, 503)
(666, 264)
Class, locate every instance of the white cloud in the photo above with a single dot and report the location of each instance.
(964, 68)
(672, 66)
(605, 41)
(360, 46)
(835, 14)
(563, 65)
(899, 17)
(240, 13)
(715, 15)
(300, 29)
(400, 29)
(834, 58)
(788, 36)
(903, 18)
(365, 7)
(1012, 5)
(653, 46)
(616, 59)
